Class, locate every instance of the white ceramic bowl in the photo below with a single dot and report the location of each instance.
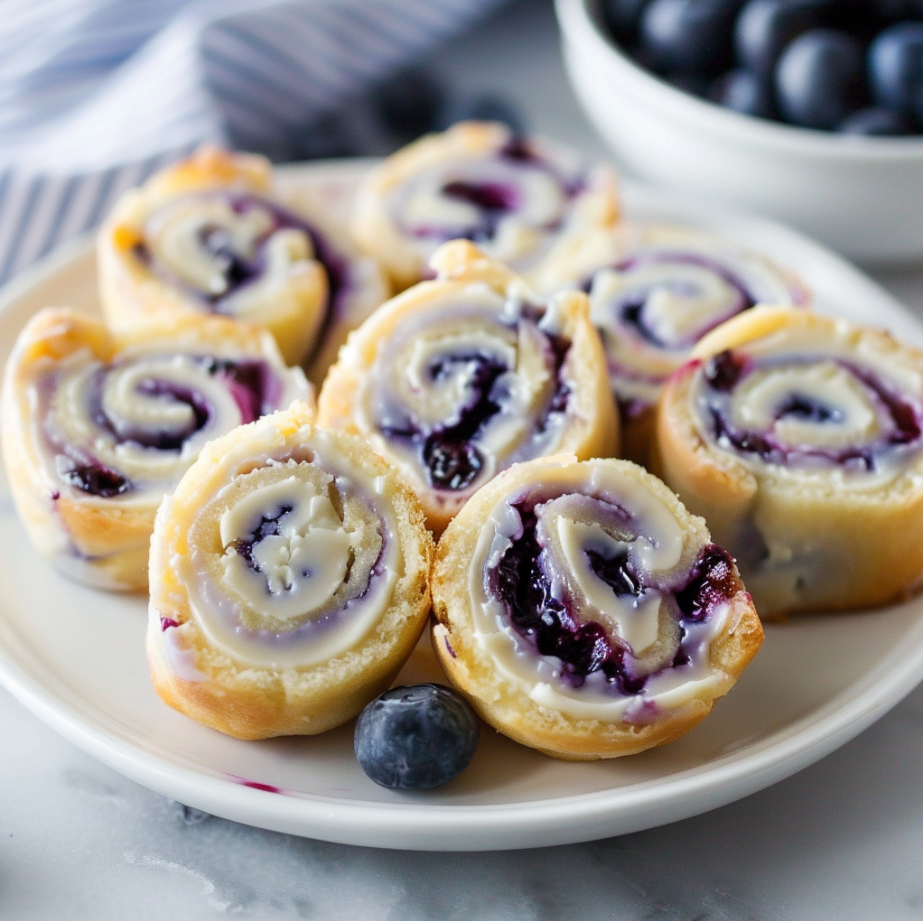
(862, 196)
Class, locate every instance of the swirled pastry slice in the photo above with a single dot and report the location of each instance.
(289, 580)
(98, 427)
(458, 378)
(518, 199)
(799, 438)
(655, 290)
(210, 235)
(585, 612)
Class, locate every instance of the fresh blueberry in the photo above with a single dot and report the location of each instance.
(876, 121)
(622, 17)
(688, 35)
(744, 92)
(408, 103)
(765, 27)
(895, 66)
(819, 79)
(416, 738)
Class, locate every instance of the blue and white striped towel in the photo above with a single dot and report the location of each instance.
(97, 94)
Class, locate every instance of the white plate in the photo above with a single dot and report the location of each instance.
(75, 657)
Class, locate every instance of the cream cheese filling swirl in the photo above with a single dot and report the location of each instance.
(134, 426)
(509, 206)
(808, 410)
(582, 590)
(468, 388)
(654, 305)
(292, 562)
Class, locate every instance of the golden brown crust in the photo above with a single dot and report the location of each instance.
(96, 540)
(377, 233)
(592, 429)
(847, 548)
(130, 291)
(506, 701)
(252, 701)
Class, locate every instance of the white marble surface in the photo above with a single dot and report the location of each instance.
(841, 840)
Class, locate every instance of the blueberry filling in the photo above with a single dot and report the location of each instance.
(631, 305)
(727, 369)
(251, 384)
(553, 627)
(550, 624)
(712, 581)
(449, 453)
(240, 270)
(92, 478)
(269, 526)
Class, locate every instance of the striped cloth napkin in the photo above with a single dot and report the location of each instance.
(97, 94)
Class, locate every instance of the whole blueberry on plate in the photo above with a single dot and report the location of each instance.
(819, 79)
(765, 27)
(895, 66)
(688, 34)
(416, 737)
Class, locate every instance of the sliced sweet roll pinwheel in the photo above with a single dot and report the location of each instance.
(97, 427)
(519, 199)
(655, 290)
(799, 438)
(289, 580)
(458, 378)
(211, 235)
(584, 612)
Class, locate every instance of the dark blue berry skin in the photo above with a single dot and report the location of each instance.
(819, 79)
(744, 92)
(876, 122)
(622, 18)
(688, 35)
(416, 738)
(765, 27)
(895, 66)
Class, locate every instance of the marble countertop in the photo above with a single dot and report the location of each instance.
(841, 840)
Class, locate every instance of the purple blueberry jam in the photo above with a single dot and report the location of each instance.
(630, 305)
(727, 369)
(240, 269)
(93, 478)
(166, 623)
(269, 526)
(450, 454)
(553, 626)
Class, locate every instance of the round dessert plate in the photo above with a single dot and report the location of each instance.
(75, 657)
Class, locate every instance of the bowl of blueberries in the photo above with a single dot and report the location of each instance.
(810, 111)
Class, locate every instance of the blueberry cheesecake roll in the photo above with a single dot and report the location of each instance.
(458, 378)
(97, 427)
(211, 236)
(799, 438)
(518, 199)
(584, 612)
(654, 291)
(289, 580)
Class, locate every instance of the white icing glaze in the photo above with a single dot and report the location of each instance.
(130, 410)
(655, 543)
(400, 388)
(299, 619)
(538, 201)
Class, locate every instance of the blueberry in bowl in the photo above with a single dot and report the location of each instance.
(808, 111)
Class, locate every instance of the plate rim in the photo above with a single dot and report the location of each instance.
(548, 821)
